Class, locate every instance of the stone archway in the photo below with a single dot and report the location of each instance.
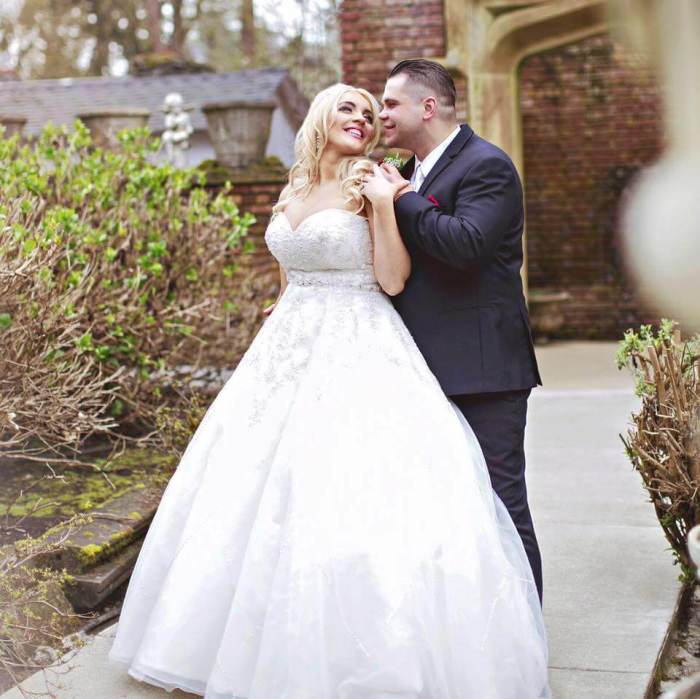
(488, 39)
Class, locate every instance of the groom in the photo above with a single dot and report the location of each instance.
(460, 213)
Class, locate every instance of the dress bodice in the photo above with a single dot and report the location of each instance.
(331, 247)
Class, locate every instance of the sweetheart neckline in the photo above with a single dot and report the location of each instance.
(320, 211)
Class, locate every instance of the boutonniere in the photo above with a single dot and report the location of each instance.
(432, 199)
(394, 160)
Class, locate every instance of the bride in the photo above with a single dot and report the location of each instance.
(331, 531)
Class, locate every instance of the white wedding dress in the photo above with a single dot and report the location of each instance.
(330, 531)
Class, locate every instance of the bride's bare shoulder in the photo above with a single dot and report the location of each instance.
(286, 191)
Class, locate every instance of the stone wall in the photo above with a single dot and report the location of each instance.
(591, 119)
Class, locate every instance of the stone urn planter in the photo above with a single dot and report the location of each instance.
(105, 124)
(13, 125)
(546, 313)
(239, 130)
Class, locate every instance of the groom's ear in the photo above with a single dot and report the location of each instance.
(430, 107)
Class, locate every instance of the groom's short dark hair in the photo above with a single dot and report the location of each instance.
(430, 74)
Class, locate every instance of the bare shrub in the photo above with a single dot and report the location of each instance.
(115, 273)
(38, 628)
(664, 444)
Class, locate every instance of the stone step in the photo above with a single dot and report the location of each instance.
(112, 527)
(86, 591)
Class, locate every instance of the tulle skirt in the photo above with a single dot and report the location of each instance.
(331, 531)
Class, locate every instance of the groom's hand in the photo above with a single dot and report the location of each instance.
(378, 186)
(391, 173)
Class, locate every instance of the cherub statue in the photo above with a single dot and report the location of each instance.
(178, 128)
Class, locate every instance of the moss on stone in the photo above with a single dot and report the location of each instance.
(80, 489)
(90, 554)
(270, 168)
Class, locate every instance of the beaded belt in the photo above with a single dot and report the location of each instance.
(354, 278)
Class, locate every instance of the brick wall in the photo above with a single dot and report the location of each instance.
(377, 34)
(257, 282)
(591, 119)
(258, 197)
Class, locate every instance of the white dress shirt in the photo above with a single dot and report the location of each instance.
(423, 167)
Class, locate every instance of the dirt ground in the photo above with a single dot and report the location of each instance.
(683, 659)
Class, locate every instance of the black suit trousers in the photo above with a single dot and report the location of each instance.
(498, 420)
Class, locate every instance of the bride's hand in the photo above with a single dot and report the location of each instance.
(376, 187)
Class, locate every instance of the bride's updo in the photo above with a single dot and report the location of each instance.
(311, 139)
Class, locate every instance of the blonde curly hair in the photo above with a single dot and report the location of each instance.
(311, 140)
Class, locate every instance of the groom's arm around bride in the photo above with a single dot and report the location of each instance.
(484, 208)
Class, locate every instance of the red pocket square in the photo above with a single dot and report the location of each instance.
(432, 199)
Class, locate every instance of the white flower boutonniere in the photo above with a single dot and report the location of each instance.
(394, 160)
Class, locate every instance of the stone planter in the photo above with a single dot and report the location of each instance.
(546, 313)
(239, 130)
(105, 124)
(13, 125)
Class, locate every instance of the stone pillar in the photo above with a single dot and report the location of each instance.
(255, 189)
(495, 112)
(495, 115)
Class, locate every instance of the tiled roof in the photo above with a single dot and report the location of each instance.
(60, 100)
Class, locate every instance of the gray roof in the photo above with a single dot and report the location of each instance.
(60, 100)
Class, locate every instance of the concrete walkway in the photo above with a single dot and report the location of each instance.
(610, 585)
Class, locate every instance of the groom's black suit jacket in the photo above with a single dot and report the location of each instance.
(463, 302)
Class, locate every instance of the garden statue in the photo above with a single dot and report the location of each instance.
(178, 128)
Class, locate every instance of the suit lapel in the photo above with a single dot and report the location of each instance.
(459, 141)
(407, 169)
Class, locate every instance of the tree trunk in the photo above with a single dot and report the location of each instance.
(177, 41)
(248, 31)
(100, 55)
(153, 10)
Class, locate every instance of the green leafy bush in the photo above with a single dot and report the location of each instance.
(118, 277)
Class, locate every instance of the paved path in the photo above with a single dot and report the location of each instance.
(610, 585)
(609, 582)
